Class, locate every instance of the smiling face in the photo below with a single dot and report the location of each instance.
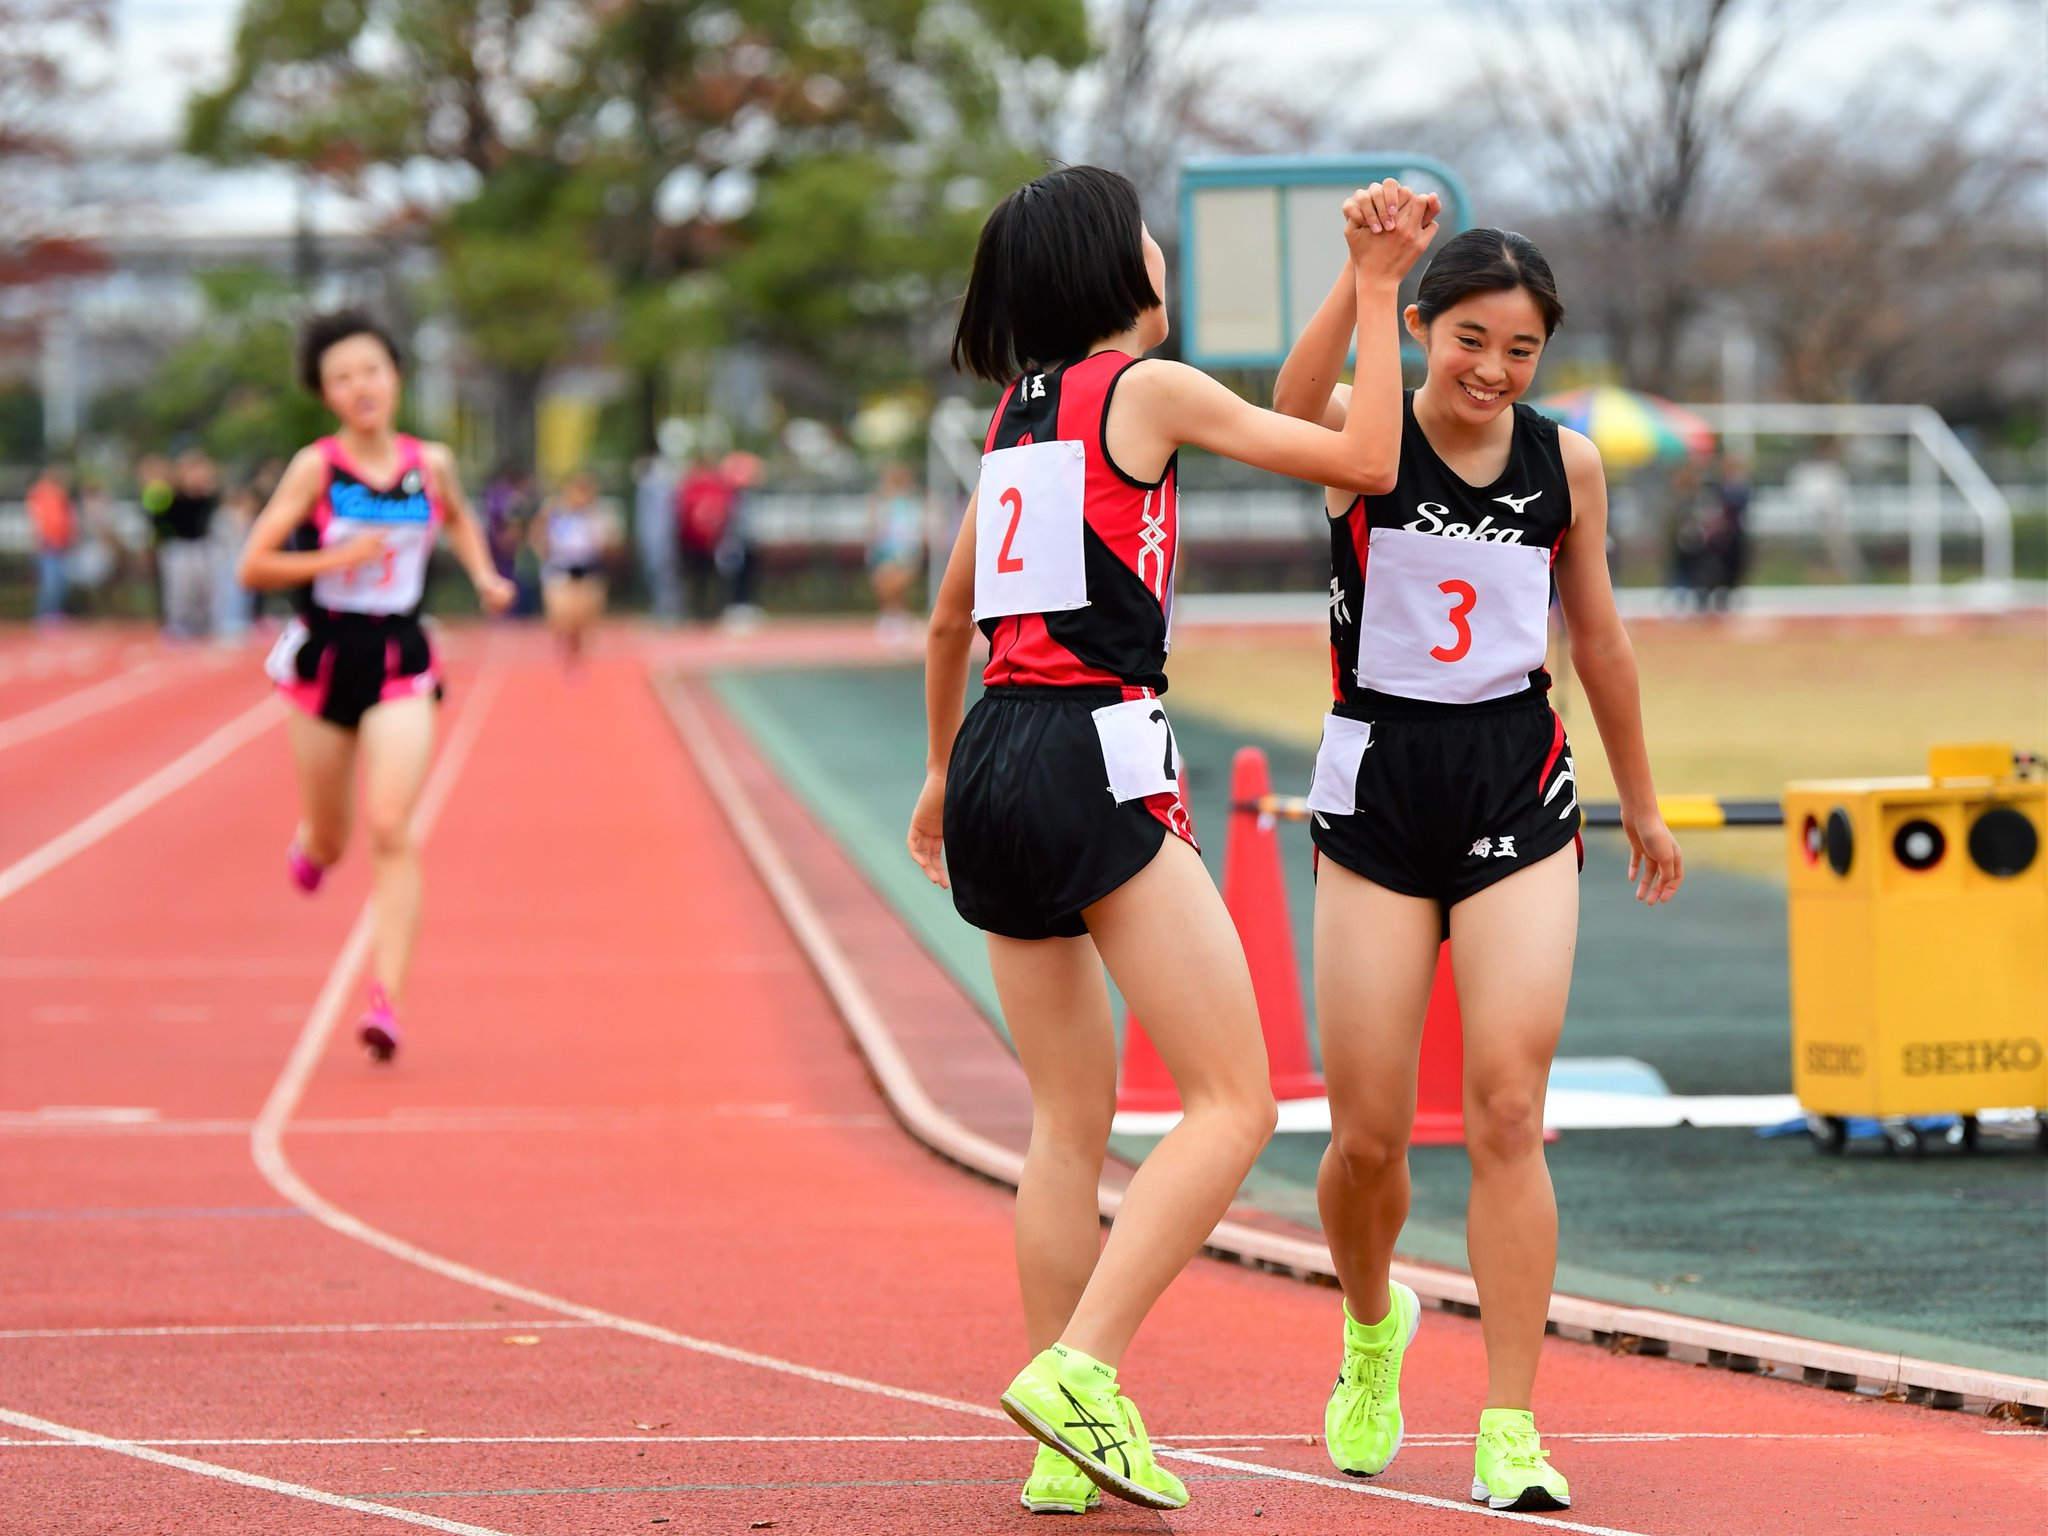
(359, 382)
(1482, 352)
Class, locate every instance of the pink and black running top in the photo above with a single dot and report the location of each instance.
(405, 512)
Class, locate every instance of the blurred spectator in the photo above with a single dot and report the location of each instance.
(153, 491)
(509, 503)
(1728, 539)
(1822, 484)
(56, 529)
(738, 554)
(184, 548)
(232, 609)
(1691, 525)
(895, 549)
(654, 534)
(96, 552)
(704, 513)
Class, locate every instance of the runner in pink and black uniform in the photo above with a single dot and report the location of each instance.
(351, 527)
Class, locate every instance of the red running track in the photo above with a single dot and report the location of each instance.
(626, 1240)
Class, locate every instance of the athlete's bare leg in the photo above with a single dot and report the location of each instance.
(324, 756)
(1174, 954)
(397, 745)
(1056, 1005)
(1511, 951)
(1375, 958)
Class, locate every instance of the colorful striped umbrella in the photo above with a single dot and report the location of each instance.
(1629, 427)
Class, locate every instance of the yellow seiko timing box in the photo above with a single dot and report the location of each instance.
(1919, 944)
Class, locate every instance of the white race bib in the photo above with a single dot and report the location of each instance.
(1138, 749)
(1455, 620)
(1027, 539)
(1334, 790)
(281, 665)
(393, 583)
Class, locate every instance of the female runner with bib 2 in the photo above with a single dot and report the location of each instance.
(1056, 804)
(351, 526)
(1444, 804)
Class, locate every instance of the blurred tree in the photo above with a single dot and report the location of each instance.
(1623, 109)
(43, 92)
(1895, 255)
(229, 388)
(634, 144)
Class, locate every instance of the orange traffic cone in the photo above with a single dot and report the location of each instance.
(1255, 891)
(1440, 1084)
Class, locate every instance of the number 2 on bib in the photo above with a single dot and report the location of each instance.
(1006, 563)
(1467, 598)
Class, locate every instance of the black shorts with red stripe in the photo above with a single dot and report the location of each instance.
(1451, 799)
(1033, 834)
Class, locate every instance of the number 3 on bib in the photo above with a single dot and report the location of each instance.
(1028, 549)
(1466, 599)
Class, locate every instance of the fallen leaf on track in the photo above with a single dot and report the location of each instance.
(664, 1424)
(522, 1338)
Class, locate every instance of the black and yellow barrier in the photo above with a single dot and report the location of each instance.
(1681, 812)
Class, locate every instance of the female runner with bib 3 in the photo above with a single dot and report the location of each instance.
(1056, 804)
(351, 526)
(1444, 805)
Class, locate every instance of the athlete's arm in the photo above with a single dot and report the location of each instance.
(946, 648)
(266, 565)
(1307, 387)
(1606, 664)
(466, 530)
(1177, 404)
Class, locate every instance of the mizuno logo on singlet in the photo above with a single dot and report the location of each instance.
(1434, 519)
(1518, 504)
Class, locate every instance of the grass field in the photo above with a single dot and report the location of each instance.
(1734, 708)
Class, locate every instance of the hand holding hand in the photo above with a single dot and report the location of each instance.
(1384, 244)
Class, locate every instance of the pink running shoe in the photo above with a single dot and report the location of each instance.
(306, 875)
(378, 1028)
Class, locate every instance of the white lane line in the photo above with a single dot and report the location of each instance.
(125, 807)
(220, 1330)
(650, 1438)
(65, 1432)
(85, 703)
(266, 1146)
(1372, 1490)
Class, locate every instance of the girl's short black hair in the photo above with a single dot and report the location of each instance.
(323, 331)
(1488, 261)
(1060, 265)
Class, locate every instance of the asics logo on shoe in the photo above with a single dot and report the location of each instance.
(1103, 1433)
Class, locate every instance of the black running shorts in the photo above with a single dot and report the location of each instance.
(1444, 803)
(1033, 834)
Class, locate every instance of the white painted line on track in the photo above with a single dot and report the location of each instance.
(1373, 1490)
(125, 807)
(221, 1330)
(1162, 1446)
(86, 702)
(244, 1479)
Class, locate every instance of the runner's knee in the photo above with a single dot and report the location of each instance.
(1368, 1152)
(389, 832)
(1503, 1124)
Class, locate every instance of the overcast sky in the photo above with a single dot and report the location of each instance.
(163, 48)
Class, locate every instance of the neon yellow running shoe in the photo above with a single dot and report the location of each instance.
(1058, 1487)
(1510, 1468)
(1069, 1401)
(1363, 1426)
